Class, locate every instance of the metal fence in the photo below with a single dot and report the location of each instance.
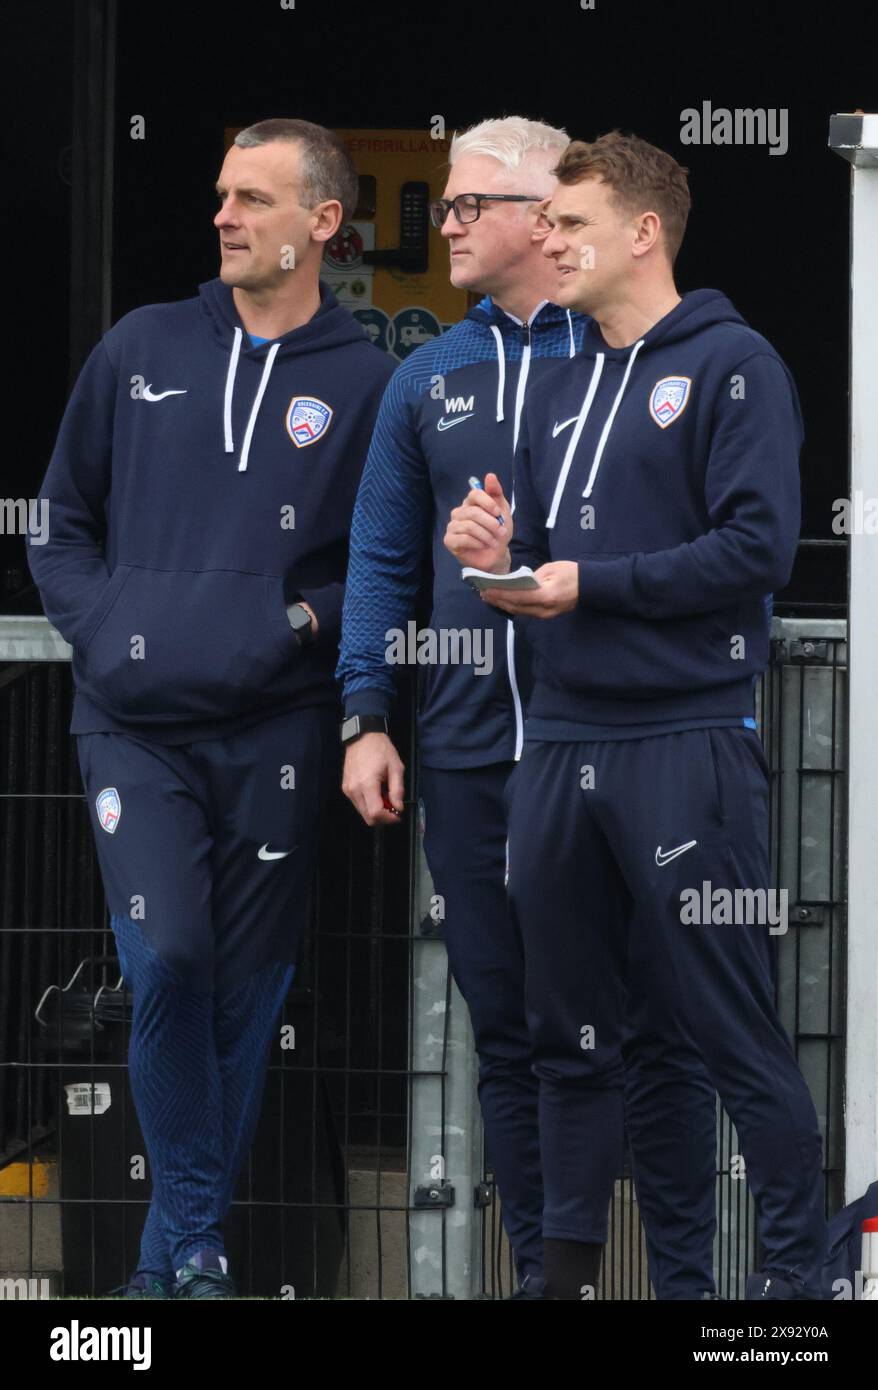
(367, 1175)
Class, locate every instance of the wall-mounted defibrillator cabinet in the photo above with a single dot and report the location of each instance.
(389, 266)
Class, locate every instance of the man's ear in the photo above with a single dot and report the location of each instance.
(648, 233)
(327, 218)
(541, 227)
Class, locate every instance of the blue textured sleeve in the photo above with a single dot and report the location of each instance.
(391, 518)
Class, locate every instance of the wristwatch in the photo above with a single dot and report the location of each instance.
(357, 724)
(300, 621)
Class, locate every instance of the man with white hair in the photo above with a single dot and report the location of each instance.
(452, 410)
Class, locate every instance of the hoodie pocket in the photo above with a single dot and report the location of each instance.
(101, 608)
(182, 644)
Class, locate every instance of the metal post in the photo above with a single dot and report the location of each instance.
(855, 138)
(445, 1155)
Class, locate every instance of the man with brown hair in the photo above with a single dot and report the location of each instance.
(657, 500)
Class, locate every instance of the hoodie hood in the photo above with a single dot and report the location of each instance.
(502, 325)
(489, 315)
(331, 327)
(696, 310)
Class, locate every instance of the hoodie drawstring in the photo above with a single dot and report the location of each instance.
(605, 433)
(230, 386)
(229, 392)
(501, 370)
(578, 428)
(251, 423)
(519, 394)
(574, 438)
(572, 339)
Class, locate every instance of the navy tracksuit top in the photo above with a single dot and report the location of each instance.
(452, 409)
(668, 471)
(199, 485)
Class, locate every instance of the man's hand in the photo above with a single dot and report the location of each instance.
(558, 593)
(474, 535)
(313, 616)
(371, 762)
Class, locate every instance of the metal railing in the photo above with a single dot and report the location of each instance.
(367, 1176)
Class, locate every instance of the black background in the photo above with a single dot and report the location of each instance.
(770, 231)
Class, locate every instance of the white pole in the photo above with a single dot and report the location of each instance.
(855, 138)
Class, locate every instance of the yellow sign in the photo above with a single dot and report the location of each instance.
(394, 158)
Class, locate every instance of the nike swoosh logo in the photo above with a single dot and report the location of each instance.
(662, 859)
(266, 853)
(150, 395)
(556, 428)
(446, 424)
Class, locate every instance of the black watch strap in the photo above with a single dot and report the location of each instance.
(357, 724)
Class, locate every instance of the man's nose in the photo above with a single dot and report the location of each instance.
(451, 226)
(226, 217)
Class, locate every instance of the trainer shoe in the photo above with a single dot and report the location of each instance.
(531, 1286)
(144, 1285)
(772, 1288)
(205, 1275)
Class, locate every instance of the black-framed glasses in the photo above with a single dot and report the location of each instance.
(467, 207)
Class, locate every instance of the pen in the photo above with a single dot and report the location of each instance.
(474, 482)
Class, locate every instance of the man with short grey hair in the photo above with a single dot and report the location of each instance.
(452, 410)
(201, 492)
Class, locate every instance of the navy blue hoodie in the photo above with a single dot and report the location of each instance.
(198, 485)
(668, 470)
(452, 409)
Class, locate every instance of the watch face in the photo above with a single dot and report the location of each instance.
(349, 728)
(300, 621)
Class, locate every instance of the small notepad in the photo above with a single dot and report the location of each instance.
(522, 578)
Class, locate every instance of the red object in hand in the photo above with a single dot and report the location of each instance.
(388, 804)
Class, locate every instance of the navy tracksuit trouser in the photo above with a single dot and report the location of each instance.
(619, 853)
(207, 871)
(674, 1163)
